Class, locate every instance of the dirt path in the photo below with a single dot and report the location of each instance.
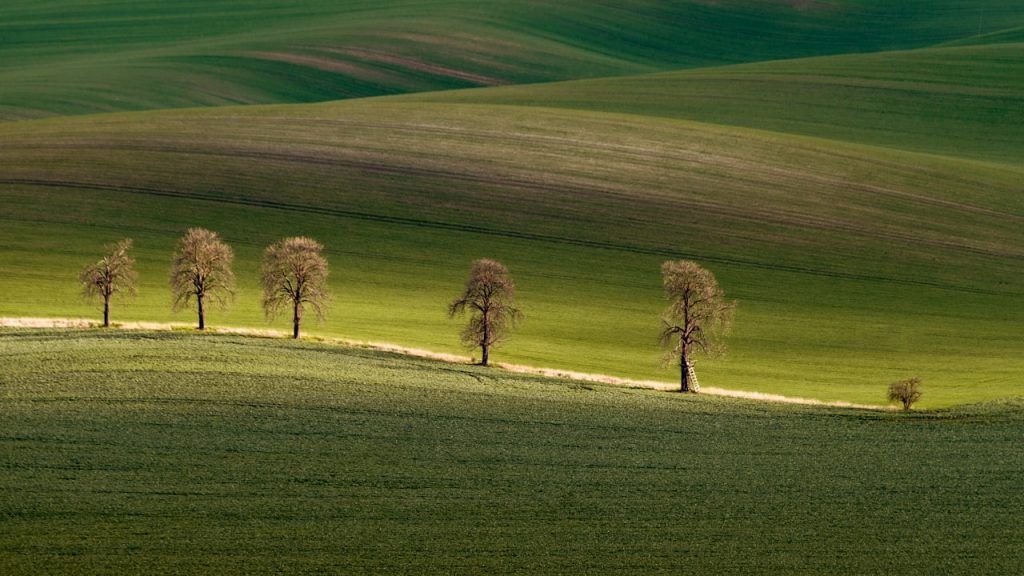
(421, 353)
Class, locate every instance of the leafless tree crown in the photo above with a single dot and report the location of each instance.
(906, 392)
(113, 275)
(294, 274)
(697, 316)
(201, 269)
(489, 297)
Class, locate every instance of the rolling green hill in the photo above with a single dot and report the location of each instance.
(962, 101)
(854, 265)
(170, 452)
(1008, 36)
(75, 56)
(851, 170)
(866, 209)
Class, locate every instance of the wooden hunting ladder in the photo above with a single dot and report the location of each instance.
(692, 378)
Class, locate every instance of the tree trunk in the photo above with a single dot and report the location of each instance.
(684, 374)
(202, 314)
(106, 310)
(485, 345)
(296, 318)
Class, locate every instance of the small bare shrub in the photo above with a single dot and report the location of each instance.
(906, 391)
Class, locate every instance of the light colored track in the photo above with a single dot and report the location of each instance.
(19, 322)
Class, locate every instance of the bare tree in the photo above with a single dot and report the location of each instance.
(201, 269)
(294, 273)
(905, 391)
(113, 275)
(697, 315)
(489, 297)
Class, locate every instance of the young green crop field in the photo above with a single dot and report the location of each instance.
(78, 56)
(963, 101)
(183, 453)
(865, 209)
(854, 265)
(852, 171)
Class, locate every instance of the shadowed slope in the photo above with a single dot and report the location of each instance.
(963, 101)
(70, 57)
(1008, 36)
(206, 454)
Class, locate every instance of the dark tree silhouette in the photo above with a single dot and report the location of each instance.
(697, 315)
(489, 297)
(906, 392)
(113, 275)
(294, 274)
(201, 270)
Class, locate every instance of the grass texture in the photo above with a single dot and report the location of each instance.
(80, 56)
(865, 209)
(964, 101)
(854, 265)
(182, 453)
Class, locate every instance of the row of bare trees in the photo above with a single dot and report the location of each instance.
(293, 275)
(698, 314)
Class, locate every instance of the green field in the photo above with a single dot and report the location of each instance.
(965, 101)
(183, 453)
(855, 265)
(852, 171)
(865, 206)
(79, 56)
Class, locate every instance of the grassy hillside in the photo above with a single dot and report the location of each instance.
(854, 265)
(1008, 36)
(962, 101)
(161, 452)
(74, 56)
